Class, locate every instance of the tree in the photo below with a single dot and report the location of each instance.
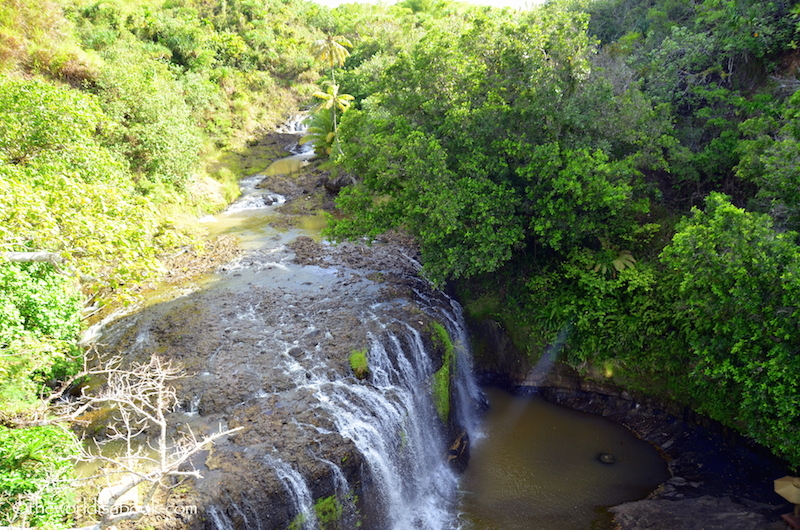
(36, 463)
(332, 100)
(738, 283)
(332, 50)
(447, 147)
(465, 224)
(320, 132)
(63, 190)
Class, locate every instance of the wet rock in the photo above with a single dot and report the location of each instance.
(252, 347)
(334, 185)
(307, 251)
(458, 454)
(607, 458)
(702, 513)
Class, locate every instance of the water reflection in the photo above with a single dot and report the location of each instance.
(537, 467)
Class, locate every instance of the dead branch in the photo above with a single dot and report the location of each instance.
(140, 398)
(137, 399)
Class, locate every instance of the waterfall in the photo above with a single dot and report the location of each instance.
(469, 398)
(393, 423)
(298, 491)
(266, 344)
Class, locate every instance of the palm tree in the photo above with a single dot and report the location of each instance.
(332, 99)
(320, 133)
(332, 50)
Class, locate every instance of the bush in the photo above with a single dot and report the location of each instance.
(34, 462)
(158, 134)
(62, 190)
(39, 322)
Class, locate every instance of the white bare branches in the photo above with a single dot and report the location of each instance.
(135, 402)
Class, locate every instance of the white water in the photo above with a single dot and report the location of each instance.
(298, 491)
(393, 424)
(392, 421)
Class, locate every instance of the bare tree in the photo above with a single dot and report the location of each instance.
(140, 397)
(135, 402)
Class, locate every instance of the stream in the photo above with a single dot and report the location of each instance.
(266, 340)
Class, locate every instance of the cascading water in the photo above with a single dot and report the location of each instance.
(297, 489)
(394, 426)
(267, 340)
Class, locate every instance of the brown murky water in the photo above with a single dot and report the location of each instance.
(536, 467)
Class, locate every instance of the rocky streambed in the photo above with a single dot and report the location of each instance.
(266, 343)
(267, 339)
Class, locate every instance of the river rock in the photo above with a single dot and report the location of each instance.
(458, 455)
(335, 184)
(701, 513)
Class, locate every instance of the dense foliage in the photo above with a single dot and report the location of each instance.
(34, 465)
(621, 169)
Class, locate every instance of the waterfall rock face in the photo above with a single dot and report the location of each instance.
(265, 344)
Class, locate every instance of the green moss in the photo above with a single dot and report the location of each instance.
(329, 512)
(440, 384)
(298, 522)
(359, 364)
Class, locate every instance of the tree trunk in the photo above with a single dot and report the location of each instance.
(22, 257)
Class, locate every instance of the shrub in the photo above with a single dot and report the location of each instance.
(33, 462)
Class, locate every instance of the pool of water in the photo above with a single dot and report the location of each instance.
(535, 466)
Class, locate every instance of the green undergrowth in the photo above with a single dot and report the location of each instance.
(34, 463)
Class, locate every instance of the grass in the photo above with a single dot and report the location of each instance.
(359, 363)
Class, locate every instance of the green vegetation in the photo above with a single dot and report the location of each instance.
(359, 363)
(33, 462)
(329, 512)
(323, 122)
(39, 319)
(622, 169)
(441, 379)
